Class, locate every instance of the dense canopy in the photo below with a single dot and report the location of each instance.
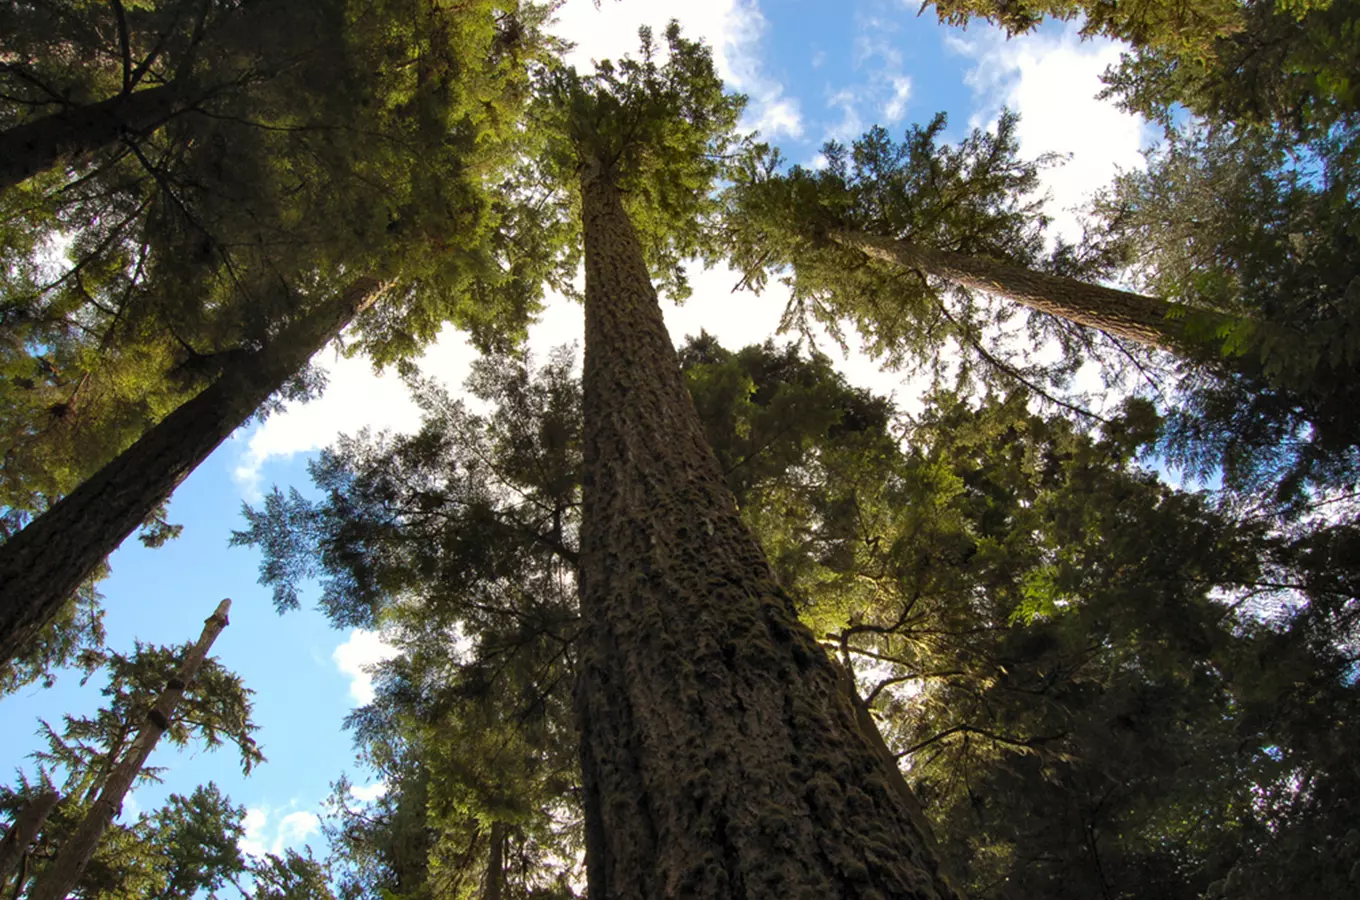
(1079, 618)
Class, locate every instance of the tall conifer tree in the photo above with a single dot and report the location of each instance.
(720, 749)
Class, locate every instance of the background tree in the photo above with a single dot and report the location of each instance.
(292, 877)
(906, 240)
(187, 845)
(459, 542)
(65, 869)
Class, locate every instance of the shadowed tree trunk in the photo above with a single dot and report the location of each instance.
(60, 878)
(14, 845)
(495, 863)
(1149, 321)
(42, 565)
(722, 756)
(38, 145)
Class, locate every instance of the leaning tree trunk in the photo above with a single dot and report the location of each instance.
(38, 145)
(27, 824)
(44, 563)
(1150, 321)
(61, 876)
(721, 754)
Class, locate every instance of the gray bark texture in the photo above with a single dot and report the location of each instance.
(60, 878)
(43, 565)
(1149, 321)
(36, 146)
(24, 831)
(721, 752)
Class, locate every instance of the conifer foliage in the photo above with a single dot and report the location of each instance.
(696, 623)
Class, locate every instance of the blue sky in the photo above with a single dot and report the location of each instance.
(814, 71)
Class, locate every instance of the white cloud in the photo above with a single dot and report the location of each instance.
(779, 116)
(884, 88)
(896, 107)
(851, 124)
(875, 41)
(355, 397)
(369, 792)
(356, 658)
(295, 828)
(1052, 81)
(734, 319)
(732, 28)
(290, 830)
(253, 842)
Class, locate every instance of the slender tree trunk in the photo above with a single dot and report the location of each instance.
(495, 863)
(24, 831)
(1149, 321)
(36, 146)
(721, 755)
(61, 876)
(44, 563)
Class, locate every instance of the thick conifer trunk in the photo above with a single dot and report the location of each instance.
(721, 753)
(36, 146)
(1149, 321)
(27, 824)
(61, 876)
(42, 565)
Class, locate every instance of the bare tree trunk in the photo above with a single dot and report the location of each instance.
(60, 878)
(14, 845)
(495, 863)
(38, 145)
(42, 565)
(722, 756)
(1149, 321)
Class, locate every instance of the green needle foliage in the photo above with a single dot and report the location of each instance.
(372, 157)
(662, 127)
(1255, 62)
(1266, 230)
(367, 153)
(1069, 657)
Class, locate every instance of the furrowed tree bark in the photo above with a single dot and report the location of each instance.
(61, 876)
(1149, 321)
(36, 146)
(721, 754)
(24, 831)
(44, 563)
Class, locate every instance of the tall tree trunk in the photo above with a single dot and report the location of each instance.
(24, 831)
(721, 754)
(61, 876)
(38, 145)
(1149, 321)
(495, 863)
(44, 563)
